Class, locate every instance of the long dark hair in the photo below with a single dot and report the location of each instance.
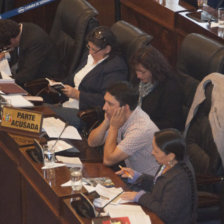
(171, 141)
(151, 59)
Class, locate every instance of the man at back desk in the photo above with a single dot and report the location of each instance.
(31, 50)
(127, 130)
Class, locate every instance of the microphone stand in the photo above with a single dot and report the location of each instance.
(66, 125)
(101, 209)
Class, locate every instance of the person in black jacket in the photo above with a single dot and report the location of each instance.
(32, 51)
(160, 95)
(101, 66)
(171, 193)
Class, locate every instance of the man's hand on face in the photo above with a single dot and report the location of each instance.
(118, 118)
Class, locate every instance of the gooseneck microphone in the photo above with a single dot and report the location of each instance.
(101, 209)
(59, 137)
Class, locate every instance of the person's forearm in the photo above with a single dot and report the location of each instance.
(97, 135)
(110, 145)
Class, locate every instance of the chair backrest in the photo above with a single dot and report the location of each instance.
(188, 85)
(200, 56)
(73, 20)
(130, 38)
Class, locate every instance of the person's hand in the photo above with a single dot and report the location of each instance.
(118, 118)
(106, 120)
(129, 196)
(71, 92)
(125, 172)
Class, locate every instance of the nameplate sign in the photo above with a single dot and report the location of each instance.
(21, 119)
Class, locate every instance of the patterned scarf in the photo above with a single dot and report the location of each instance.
(144, 90)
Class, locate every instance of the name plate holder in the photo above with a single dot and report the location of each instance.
(22, 120)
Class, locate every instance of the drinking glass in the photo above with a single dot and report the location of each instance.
(48, 156)
(221, 17)
(76, 178)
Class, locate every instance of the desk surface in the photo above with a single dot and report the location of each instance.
(186, 25)
(40, 190)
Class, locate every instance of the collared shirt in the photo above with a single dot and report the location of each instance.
(135, 139)
(80, 75)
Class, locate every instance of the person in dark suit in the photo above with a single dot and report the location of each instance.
(171, 193)
(101, 66)
(33, 51)
(160, 95)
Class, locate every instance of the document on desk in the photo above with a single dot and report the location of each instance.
(135, 213)
(6, 78)
(4, 67)
(17, 101)
(54, 127)
(60, 145)
(71, 103)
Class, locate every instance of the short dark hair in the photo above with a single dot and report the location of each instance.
(102, 36)
(124, 93)
(170, 140)
(153, 61)
(8, 29)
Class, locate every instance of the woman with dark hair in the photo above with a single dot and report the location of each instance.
(171, 193)
(160, 95)
(101, 66)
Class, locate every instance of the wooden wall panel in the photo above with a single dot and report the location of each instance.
(42, 16)
(106, 11)
(164, 38)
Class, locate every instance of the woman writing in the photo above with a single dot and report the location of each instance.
(160, 95)
(100, 67)
(171, 194)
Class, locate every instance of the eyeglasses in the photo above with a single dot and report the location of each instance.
(93, 50)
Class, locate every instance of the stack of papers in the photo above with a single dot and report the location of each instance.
(54, 127)
(5, 69)
(70, 161)
(135, 213)
(60, 145)
(6, 78)
(17, 101)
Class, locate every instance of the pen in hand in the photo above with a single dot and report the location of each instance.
(126, 172)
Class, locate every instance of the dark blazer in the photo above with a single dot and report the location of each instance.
(171, 196)
(164, 105)
(37, 55)
(93, 86)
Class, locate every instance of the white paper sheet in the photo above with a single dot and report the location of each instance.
(17, 101)
(71, 103)
(4, 67)
(60, 145)
(135, 213)
(70, 161)
(54, 127)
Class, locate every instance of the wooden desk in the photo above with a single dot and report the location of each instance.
(186, 25)
(70, 214)
(167, 22)
(35, 195)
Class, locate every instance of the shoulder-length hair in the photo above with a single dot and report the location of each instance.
(151, 59)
